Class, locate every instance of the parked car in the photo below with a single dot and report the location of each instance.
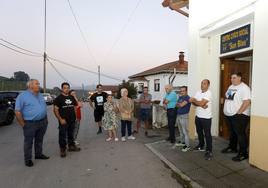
(48, 98)
(7, 112)
(10, 96)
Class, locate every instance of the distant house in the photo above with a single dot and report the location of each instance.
(156, 78)
(110, 89)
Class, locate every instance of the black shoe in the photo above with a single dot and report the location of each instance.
(62, 152)
(240, 157)
(198, 148)
(146, 133)
(43, 157)
(228, 150)
(172, 141)
(208, 155)
(99, 132)
(29, 163)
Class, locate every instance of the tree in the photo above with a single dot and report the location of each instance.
(132, 90)
(21, 76)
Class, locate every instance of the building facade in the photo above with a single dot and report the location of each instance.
(228, 36)
(175, 73)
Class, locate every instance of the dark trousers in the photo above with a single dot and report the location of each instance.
(125, 124)
(66, 133)
(230, 120)
(203, 126)
(34, 131)
(171, 116)
(238, 125)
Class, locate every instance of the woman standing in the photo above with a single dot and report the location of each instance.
(110, 121)
(126, 108)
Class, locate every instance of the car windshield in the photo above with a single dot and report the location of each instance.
(9, 95)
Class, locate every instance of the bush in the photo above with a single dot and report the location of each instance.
(132, 90)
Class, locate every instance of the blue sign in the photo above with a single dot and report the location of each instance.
(235, 40)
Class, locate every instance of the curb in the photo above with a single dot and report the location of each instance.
(187, 181)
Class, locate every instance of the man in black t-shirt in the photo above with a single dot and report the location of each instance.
(98, 98)
(64, 110)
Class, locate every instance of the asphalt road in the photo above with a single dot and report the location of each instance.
(99, 165)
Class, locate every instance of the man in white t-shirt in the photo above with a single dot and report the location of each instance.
(203, 102)
(237, 110)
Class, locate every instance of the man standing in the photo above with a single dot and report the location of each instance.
(170, 102)
(98, 98)
(31, 113)
(145, 108)
(64, 110)
(183, 106)
(78, 116)
(236, 111)
(203, 102)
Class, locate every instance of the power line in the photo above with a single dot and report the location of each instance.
(19, 51)
(57, 71)
(81, 32)
(14, 45)
(56, 60)
(84, 69)
(124, 27)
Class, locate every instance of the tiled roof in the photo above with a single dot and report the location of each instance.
(112, 88)
(181, 67)
(142, 78)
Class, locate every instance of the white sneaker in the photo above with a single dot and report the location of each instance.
(116, 139)
(76, 143)
(123, 139)
(131, 137)
(108, 139)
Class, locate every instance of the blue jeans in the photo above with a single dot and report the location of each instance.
(144, 114)
(66, 133)
(124, 124)
(34, 131)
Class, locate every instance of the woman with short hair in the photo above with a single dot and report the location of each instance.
(126, 108)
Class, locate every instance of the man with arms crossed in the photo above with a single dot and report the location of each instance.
(203, 102)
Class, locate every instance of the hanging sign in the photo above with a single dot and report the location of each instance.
(236, 39)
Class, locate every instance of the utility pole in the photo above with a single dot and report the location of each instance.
(99, 73)
(45, 55)
(83, 89)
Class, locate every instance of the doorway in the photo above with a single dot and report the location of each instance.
(238, 63)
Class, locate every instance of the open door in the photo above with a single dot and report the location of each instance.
(229, 66)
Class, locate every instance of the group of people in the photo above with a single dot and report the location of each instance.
(236, 111)
(31, 113)
(107, 113)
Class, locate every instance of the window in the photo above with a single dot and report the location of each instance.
(140, 87)
(157, 85)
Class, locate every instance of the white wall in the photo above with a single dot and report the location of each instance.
(180, 80)
(204, 53)
(260, 62)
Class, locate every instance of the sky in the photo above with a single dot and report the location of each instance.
(152, 36)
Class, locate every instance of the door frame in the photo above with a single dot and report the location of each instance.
(230, 57)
